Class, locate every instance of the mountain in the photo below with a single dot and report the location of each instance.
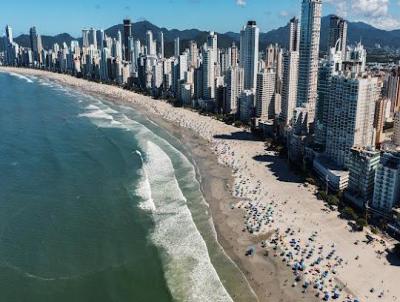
(47, 41)
(369, 35)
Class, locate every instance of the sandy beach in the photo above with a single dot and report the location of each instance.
(259, 206)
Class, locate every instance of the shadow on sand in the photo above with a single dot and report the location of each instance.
(279, 167)
(242, 136)
(393, 259)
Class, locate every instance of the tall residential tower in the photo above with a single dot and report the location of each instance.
(249, 39)
(308, 62)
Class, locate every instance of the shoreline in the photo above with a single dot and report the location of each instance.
(264, 180)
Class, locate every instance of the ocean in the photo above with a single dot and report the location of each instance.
(97, 203)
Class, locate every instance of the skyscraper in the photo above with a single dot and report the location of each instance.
(362, 166)
(208, 74)
(396, 132)
(290, 73)
(9, 34)
(265, 94)
(234, 87)
(36, 44)
(193, 53)
(329, 67)
(100, 39)
(350, 115)
(93, 37)
(234, 55)
(85, 38)
(212, 43)
(151, 50)
(249, 40)
(127, 35)
(309, 50)
(176, 47)
(393, 89)
(161, 44)
(387, 182)
(337, 34)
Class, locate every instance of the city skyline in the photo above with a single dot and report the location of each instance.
(383, 14)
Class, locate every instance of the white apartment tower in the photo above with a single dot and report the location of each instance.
(151, 47)
(308, 58)
(350, 115)
(249, 41)
(265, 94)
(208, 74)
(387, 183)
(212, 43)
(290, 73)
(234, 87)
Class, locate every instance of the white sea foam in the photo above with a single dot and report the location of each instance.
(189, 272)
(47, 84)
(92, 107)
(144, 190)
(20, 76)
(110, 111)
(97, 114)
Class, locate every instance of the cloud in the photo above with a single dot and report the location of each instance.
(374, 12)
(241, 3)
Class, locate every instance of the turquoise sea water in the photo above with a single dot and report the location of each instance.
(94, 203)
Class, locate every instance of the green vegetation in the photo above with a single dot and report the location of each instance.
(362, 223)
(349, 213)
(374, 230)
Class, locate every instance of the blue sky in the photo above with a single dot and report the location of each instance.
(70, 16)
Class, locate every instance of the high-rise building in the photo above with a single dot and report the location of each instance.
(379, 119)
(272, 56)
(127, 35)
(224, 60)
(151, 49)
(208, 74)
(93, 37)
(396, 132)
(234, 87)
(193, 54)
(212, 43)
(177, 46)
(308, 59)
(387, 183)
(356, 59)
(85, 38)
(265, 94)
(393, 89)
(350, 115)
(362, 165)
(100, 39)
(161, 44)
(249, 41)
(330, 66)
(337, 35)
(36, 44)
(234, 55)
(9, 34)
(290, 73)
(246, 105)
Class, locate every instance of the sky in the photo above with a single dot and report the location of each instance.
(53, 17)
